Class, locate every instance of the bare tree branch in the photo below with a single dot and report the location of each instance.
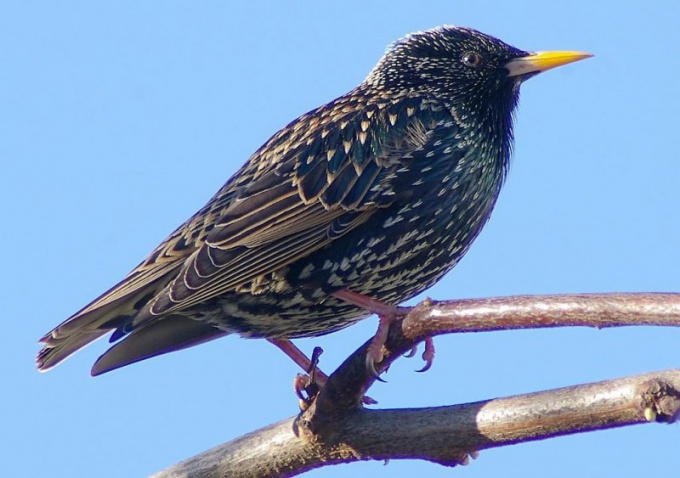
(445, 435)
(348, 384)
(337, 429)
(533, 312)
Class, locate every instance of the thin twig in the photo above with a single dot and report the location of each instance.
(349, 383)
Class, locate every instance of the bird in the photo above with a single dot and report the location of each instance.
(351, 209)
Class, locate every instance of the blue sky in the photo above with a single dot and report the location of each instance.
(119, 120)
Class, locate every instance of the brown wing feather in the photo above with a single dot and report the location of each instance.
(312, 182)
(223, 266)
(123, 300)
(294, 205)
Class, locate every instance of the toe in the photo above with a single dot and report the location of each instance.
(428, 355)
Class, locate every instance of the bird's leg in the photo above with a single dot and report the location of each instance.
(309, 383)
(316, 377)
(315, 380)
(370, 304)
(298, 356)
(387, 315)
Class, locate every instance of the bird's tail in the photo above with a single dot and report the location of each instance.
(81, 329)
(167, 334)
(138, 341)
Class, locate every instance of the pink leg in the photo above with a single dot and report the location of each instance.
(365, 302)
(387, 315)
(298, 356)
(304, 362)
(303, 382)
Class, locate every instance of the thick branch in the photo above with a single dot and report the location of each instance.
(336, 429)
(445, 435)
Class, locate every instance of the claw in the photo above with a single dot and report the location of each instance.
(310, 383)
(387, 315)
(369, 401)
(306, 389)
(370, 366)
(425, 368)
(411, 353)
(300, 383)
(428, 355)
(374, 353)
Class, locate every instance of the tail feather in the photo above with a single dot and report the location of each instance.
(118, 308)
(148, 338)
(58, 349)
(168, 334)
(80, 331)
(85, 327)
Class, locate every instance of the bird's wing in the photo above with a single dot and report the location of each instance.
(318, 178)
(329, 179)
(123, 301)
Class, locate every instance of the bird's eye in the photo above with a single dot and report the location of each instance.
(471, 59)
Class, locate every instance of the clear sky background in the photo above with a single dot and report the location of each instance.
(119, 120)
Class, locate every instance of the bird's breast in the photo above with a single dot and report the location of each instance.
(405, 248)
(443, 198)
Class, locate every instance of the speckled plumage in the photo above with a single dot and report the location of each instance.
(380, 192)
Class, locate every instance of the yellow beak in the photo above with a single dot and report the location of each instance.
(542, 61)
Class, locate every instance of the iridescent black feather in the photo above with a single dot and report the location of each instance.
(380, 192)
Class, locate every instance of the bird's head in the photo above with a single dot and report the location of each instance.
(457, 63)
(474, 75)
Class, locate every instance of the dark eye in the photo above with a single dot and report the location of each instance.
(471, 59)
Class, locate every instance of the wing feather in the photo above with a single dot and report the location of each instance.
(314, 181)
(310, 199)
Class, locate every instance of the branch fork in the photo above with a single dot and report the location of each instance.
(336, 428)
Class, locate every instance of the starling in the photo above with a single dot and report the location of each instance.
(350, 209)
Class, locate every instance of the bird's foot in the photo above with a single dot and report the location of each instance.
(375, 354)
(307, 386)
(428, 354)
(387, 315)
(311, 383)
